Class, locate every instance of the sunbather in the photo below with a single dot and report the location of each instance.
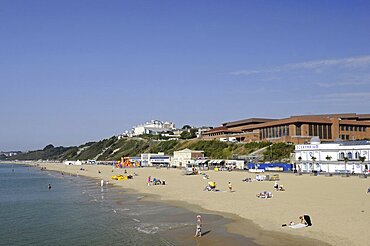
(211, 186)
(281, 188)
(265, 194)
(304, 221)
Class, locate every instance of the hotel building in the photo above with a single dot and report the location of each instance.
(295, 129)
(339, 157)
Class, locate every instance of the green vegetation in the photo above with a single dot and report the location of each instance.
(278, 152)
(253, 146)
(114, 148)
(48, 153)
(189, 134)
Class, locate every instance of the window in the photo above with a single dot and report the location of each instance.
(320, 131)
(298, 130)
(349, 154)
(325, 133)
(310, 131)
(357, 155)
(341, 155)
(329, 131)
(347, 128)
(315, 130)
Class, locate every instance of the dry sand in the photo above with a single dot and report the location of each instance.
(339, 206)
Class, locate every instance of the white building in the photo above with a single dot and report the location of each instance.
(153, 127)
(78, 163)
(333, 157)
(186, 156)
(150, 159)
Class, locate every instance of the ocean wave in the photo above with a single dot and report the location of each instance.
(147, 229)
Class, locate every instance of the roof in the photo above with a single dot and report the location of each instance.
(344, 116)
(221, 129)
(321, 119)
(359, 142)
(245, 122)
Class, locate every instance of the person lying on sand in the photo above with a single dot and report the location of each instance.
(247, 180)
(304, 221)
(281, 188)
(265, 194)
(211, 186)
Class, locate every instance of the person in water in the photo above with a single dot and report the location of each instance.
(49, 186)
(198, 231)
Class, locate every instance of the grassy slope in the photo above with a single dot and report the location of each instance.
(114, 148)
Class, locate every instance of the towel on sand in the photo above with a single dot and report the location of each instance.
(298, 226)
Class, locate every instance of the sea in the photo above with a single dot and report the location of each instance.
(78, 211)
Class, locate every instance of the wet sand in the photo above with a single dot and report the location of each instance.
(338, 206)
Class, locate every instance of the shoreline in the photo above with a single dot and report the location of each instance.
(241, 224)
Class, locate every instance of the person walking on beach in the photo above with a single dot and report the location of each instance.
(149, 181)
(198, 231)
(230, 187)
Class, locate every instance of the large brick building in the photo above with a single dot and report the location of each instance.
(295, 129)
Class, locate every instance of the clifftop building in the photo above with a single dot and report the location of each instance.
(153, 127)
(295, 129)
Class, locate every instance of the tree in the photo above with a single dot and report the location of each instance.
(345, 159)
(185, 135)
(49, 146)
(362, 159)
(188, 134)
(313, 158)
(186, 127)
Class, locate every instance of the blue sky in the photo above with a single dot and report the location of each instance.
(77, 71)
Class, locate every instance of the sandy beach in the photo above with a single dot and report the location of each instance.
(339, 206)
